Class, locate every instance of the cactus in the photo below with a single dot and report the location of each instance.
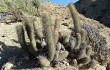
(84, 60)
(91, 64)
(89, 51)
(43, 61)
(21, 38)
(61, 55)
(83, 35)
(66, 39)
(75, 14)
(38, 29)
(58, 46)
(62, 47)
(77, 46)
(56, 30)
(49, 36)
(30, 31)
(72, 42)
(81, 53)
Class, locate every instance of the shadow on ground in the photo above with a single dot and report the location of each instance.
(16, 56)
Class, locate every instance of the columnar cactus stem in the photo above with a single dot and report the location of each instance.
(83, 35)
(56, 30)
(44, 62)
(21, 38)
(49, 36)
(38, 29)
(72, 43)
(77, 46)
(30, 31)
(81, 53)
(75, 17)
(75, 14)
(89, 51)
(61, 55)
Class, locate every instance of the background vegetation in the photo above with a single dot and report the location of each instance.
(29, 6)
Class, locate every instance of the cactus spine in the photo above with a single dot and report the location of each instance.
(49, 36)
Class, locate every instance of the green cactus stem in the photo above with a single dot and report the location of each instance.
(43, 61)
(58, 46)
(89, 51)
(56, 30)
(28, 22)
(61, 55)
(72, 42)
(49, 36)
(21, 38)
(81, 53)
(77, 46)
(38, 29)
(75, 17)
(83, 35)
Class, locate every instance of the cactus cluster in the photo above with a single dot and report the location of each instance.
(48, 44)
(45, 34)
(82, 52)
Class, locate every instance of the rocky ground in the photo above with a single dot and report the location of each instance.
(13, 57)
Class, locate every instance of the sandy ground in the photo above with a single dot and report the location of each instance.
(8, 34)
